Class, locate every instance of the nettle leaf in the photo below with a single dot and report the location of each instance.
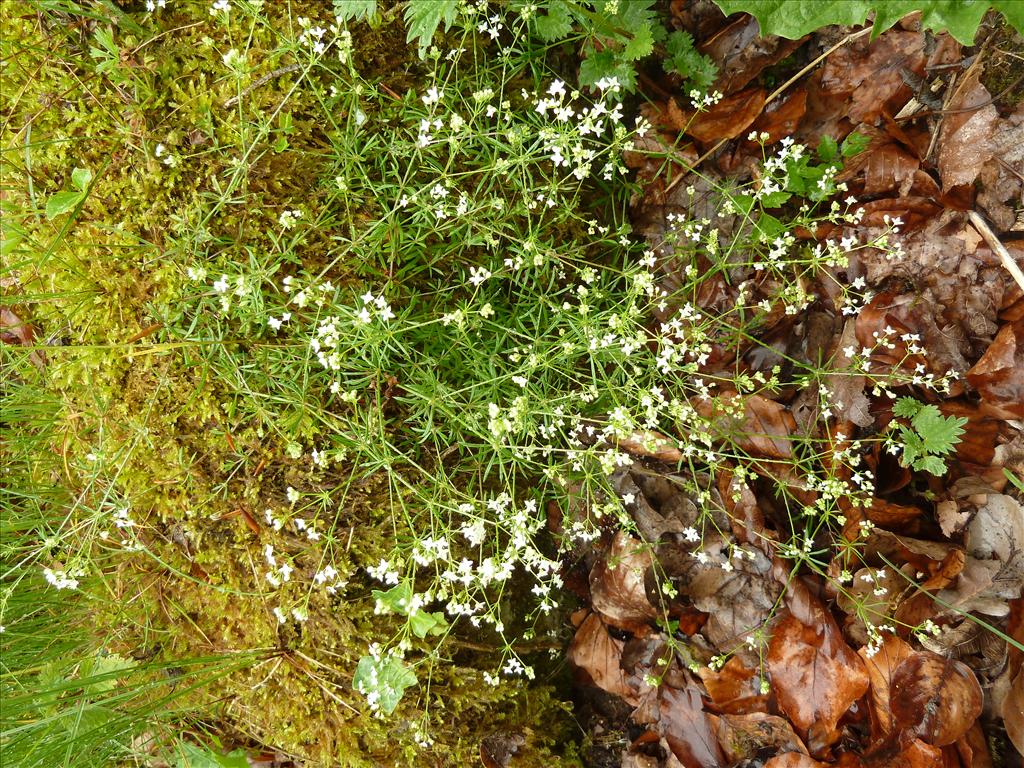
(423, 17)
(353, 10)
(642, 44)
(906, 408)
(555, 24)
(940, 434)
(687, 62)
(828, 148)
(795, 18)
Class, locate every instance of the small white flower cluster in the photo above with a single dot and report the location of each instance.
(61, 579)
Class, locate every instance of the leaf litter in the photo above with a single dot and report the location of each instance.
(758, 664)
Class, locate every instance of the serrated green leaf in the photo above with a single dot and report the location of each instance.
(641, 44)
(905, 408)
(795, 18)
(62, 202)
(395, 599)
(554, 25)
(423, 17)
(353, 10)
(931, 464)
(939, 435)
(854, 144)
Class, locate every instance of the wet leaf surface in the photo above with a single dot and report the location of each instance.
(935, 699)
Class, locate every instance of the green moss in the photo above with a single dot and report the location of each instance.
(162, 409)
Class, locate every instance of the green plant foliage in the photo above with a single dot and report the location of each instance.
(423, 17)
(67, 200)
(796, 18)
(929, 437)
(191, 756)
(383, 681)
(353, 10)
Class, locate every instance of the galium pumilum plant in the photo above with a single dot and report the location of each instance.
(462, 306)
(503, 335)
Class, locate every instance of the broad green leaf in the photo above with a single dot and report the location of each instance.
(101, 673)
(353, 10)
(388, 678)
(796, 18)
(62, 202)
(854, 144)
(395, 599)
(81, 177)
(828, 148)
(423, 623)
(192, 756)
(423, 17)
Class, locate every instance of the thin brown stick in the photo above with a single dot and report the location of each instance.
(262, 81)
(995, 244)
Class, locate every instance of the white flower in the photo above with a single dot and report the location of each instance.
(220, 6)
(221, 286)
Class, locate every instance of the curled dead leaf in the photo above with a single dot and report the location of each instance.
(617, 583)
(743, 737)
(934, 698)
(597, 653)
(880, 667)
(816, 676)
(999, 374)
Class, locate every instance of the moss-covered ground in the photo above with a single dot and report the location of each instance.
(149, 414)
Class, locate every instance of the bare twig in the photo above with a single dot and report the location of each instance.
(262, 81)
(994, 243)
(778, 92)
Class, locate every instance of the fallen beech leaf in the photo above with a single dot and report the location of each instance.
(599, 655)
(793, 760)
(916, 754)
(728, 118)
(738, 600)
(816, 676)
(997, 533)
(1013, 712)
(653, 445)
(881, 666)
(741, 52)
(999, 374)
(617, 583)
(965, 137)
(687, 729)
(934, 698)
(733, 687)
(743, 737)
(973, 748)
(765, 429)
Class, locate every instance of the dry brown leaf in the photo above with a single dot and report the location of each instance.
(765, 429)
(687, 728)
(793, 760)
(933, 698)
(999, 374)
(599, 655)
(738, 600)
(816, 676)
(1013, 712)
(734, 689)
(728, 118)
(744, 737)
(498, 749)
(617, 583)
(740, 52)
(880, 667)
(965, 139)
